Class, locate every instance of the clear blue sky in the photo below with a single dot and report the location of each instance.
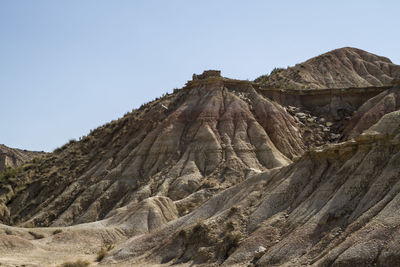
(70, 66)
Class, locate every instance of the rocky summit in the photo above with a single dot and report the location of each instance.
(300, 167)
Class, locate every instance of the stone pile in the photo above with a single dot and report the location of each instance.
(317, 130)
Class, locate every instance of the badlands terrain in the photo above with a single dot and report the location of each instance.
(300, 167)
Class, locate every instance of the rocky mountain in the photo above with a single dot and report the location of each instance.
(341, 68)
(12, 157)
(220, 172)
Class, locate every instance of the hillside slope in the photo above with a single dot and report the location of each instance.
(340, 68)
(204, 138)
(340, 202)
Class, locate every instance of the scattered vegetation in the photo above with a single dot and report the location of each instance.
(78, 263)
(57, 231)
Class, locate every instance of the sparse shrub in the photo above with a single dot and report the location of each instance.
(277, 70)
(108, 130)
(230, 225)
(210, 183)
(65, 146)
(37, 160)
(8, 174)
(36, 235)
(200, 227)
(200, 231)
(233, 239)
(57, 231)
(78, 263)
(233, 210)
(102, 253)
(8, 232)
(182, 233)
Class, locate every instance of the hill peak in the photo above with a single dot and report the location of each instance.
(339, 68)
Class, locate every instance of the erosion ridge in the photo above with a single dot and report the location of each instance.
(222, 171)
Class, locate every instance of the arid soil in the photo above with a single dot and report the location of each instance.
(215, 173)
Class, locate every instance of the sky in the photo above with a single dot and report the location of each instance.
(67, 67)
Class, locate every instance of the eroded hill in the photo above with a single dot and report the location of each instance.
(341, 68)
(221, 171)
(204, 138)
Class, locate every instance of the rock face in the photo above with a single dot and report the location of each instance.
(340, 68)
(12, 157)
(216, 174)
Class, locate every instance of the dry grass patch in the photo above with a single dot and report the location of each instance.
(78, 263)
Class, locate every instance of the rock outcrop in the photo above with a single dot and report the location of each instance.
(340, 68)
(206, 74)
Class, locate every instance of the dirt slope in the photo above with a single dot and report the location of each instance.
(340, 68)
